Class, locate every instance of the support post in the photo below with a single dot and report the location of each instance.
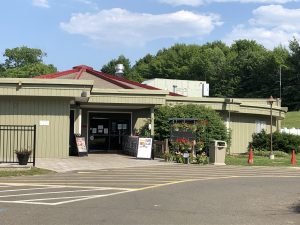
(152, 122)
(77, 121)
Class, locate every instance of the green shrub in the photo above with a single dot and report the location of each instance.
(213, 129)
(179, 158)
(281, 142)
(201, 158)
(169, 156)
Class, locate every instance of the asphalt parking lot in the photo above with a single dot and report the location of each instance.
(168, 194)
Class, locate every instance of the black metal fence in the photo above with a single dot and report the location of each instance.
(17, 138)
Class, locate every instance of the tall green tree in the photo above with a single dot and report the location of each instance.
(291, 86)
(22, 56)
(172, 63)
(24, 62)
(257, 69)
(212, 66)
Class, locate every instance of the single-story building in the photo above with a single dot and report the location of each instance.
(104, 108)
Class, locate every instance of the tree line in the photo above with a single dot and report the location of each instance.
(245, 69)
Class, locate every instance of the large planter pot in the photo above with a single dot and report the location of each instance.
(23, 159)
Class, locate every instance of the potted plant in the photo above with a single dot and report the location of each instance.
(175, 126)
(23, 156)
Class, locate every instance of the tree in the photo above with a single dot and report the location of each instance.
(245, 69)
(292, 80)
(172, 63)
(25, 62)
(142, 66)
(21, 56)
(212, 66)
(29, 70)
(256, 68)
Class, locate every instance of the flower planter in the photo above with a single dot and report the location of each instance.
(23, 159)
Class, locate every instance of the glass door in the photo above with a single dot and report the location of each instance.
(106, 130)
(98, 133)
(119, 128)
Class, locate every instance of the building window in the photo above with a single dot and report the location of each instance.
(260, 125)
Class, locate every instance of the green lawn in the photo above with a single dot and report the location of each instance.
(24, 172)
(242, 160)
(292, 119)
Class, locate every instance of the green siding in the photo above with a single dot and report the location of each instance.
(53, 140)
(243, 126)
(126, 99)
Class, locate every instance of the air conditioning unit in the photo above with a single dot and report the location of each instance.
(205, 90)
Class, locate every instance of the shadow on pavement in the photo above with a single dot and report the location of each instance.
(296, 208)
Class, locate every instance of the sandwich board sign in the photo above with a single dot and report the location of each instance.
(81, 147)
(144, 148)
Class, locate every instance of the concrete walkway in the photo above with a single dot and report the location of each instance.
(94, 162)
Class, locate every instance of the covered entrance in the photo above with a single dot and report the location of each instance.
(106, 130)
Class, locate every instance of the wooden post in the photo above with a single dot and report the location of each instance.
(166, 146)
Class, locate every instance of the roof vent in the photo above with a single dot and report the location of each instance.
(119, 70)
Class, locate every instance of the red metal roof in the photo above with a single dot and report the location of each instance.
(119, 81)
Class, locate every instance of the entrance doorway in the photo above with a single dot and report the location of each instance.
(106, 130)
(72, 142)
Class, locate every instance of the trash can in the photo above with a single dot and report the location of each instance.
(217, 152)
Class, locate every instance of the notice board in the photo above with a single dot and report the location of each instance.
(81, 146)
(144, 148)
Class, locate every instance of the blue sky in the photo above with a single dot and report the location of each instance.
(92, 32)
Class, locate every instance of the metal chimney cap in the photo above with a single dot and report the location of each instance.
(119, 69)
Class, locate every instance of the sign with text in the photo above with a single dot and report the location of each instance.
(81, 147)
(144, 148)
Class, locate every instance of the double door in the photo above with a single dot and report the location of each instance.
(106, 131)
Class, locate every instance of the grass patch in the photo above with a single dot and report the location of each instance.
(242, 160)
(292, 119)
(24, 172)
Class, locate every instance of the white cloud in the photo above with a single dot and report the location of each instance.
(269, 38)
(41, 3)
(271, 25)
(184, 2)
(202, 2)
(119, 26)
(89, 3)
(277, 16)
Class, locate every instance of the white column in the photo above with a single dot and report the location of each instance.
(77, 121)
(152, 121)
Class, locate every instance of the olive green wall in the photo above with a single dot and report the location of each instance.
(140, 117)
(52, 141)
(242, 127)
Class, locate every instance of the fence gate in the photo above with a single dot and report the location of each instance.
(17, 137)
